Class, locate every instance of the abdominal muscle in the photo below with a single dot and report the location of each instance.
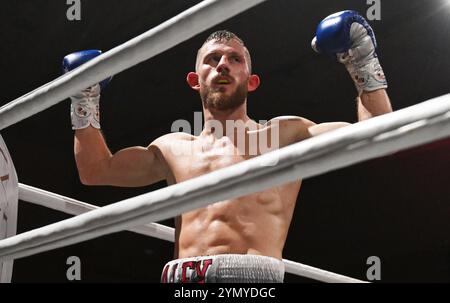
(254, 224)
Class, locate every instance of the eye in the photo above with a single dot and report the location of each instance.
(236, 59)
(215, 58)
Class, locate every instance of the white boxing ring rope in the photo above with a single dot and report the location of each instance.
(378, 136)
(73, 207)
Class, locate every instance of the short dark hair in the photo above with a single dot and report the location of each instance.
(226, 36)
(223, 36)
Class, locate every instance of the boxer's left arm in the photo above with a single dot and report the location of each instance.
(348, 38)
(293, 129)
(371, 104)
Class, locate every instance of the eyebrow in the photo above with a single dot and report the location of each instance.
(231, 54)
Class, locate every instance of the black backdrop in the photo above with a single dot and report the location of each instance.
(396, 208)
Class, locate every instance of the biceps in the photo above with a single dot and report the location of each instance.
(135, 166)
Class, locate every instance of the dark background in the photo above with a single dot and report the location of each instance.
(396, 207)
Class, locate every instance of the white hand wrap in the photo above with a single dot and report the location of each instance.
(85, 108)
(362, 62)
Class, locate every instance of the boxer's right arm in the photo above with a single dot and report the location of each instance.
(130, 167)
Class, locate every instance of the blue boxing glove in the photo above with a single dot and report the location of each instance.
(348, 38)
(85, 106)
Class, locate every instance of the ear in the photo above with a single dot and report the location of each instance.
(192, 80)
(253, 83)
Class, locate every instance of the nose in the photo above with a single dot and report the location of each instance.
(223, 66)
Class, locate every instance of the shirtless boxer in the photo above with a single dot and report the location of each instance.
(242, 239)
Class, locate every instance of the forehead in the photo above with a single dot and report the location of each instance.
(231, 46)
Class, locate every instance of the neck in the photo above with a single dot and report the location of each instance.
(213, 118)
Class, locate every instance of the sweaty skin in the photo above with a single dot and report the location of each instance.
(253, 224)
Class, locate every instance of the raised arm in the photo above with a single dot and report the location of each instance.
(348, 38)
(369, 105)
(372, 104)
(130, 167)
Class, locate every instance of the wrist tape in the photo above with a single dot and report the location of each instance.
(85, 108)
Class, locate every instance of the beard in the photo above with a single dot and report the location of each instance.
(215, 99)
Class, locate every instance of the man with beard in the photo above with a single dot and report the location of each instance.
(241, 239)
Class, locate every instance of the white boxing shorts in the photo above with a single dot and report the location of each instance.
(226, 268)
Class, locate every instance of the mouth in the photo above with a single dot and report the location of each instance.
(222, 81)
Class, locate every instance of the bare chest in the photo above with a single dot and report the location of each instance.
(203, 156)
